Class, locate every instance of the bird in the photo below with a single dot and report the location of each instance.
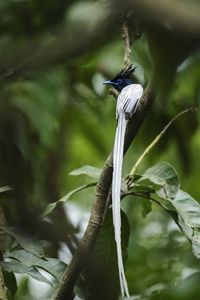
(128, 99)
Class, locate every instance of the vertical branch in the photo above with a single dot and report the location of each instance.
(127, 46)
(127, 53)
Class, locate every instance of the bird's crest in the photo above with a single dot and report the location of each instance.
(126, 72)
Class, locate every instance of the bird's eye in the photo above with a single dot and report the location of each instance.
(119, 81)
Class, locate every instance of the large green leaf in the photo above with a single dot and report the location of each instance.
(87, 170)
(102, 270)
(188, 210)
(26, 241)
(19, 268)
(164, 175)
(21, 261)
(53, 205)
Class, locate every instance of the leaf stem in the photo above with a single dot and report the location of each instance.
(157, 139)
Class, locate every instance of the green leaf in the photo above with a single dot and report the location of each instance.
(5, 188)
(188, 210)
(87, 170)
(102, 269)
(53, 205)
(23, 289)
(10, 282)
(18, 267)
(21, 261)
(26, 241)
(35, 273)
(146, 207)
(81, 289)
(164, 175)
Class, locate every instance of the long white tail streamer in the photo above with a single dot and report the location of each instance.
(116, 190)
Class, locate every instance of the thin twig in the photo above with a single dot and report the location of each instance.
(113, 92)
(127, 53)
(157, 139)
(127, 47)
(147, 197)
(172, 213)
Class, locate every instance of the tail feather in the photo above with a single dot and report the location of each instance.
(116, 189)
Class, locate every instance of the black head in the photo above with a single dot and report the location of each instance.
(122, 79)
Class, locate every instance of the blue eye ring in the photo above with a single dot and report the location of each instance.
(119, 81)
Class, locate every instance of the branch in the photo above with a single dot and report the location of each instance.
(127, 46)
(157, 139)
(173, 214)
(38, 52)
(181, 16)
(127, 53)
(75, 40)
(66, 286)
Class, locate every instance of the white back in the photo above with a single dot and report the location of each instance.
(128, 99)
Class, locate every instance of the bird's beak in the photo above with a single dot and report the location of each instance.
(110, 82)
(107, 82)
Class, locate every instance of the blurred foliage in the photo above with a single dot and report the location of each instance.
(57, 117)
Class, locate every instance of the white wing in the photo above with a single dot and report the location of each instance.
(128, 99)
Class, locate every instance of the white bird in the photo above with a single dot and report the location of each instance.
(127, 103)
